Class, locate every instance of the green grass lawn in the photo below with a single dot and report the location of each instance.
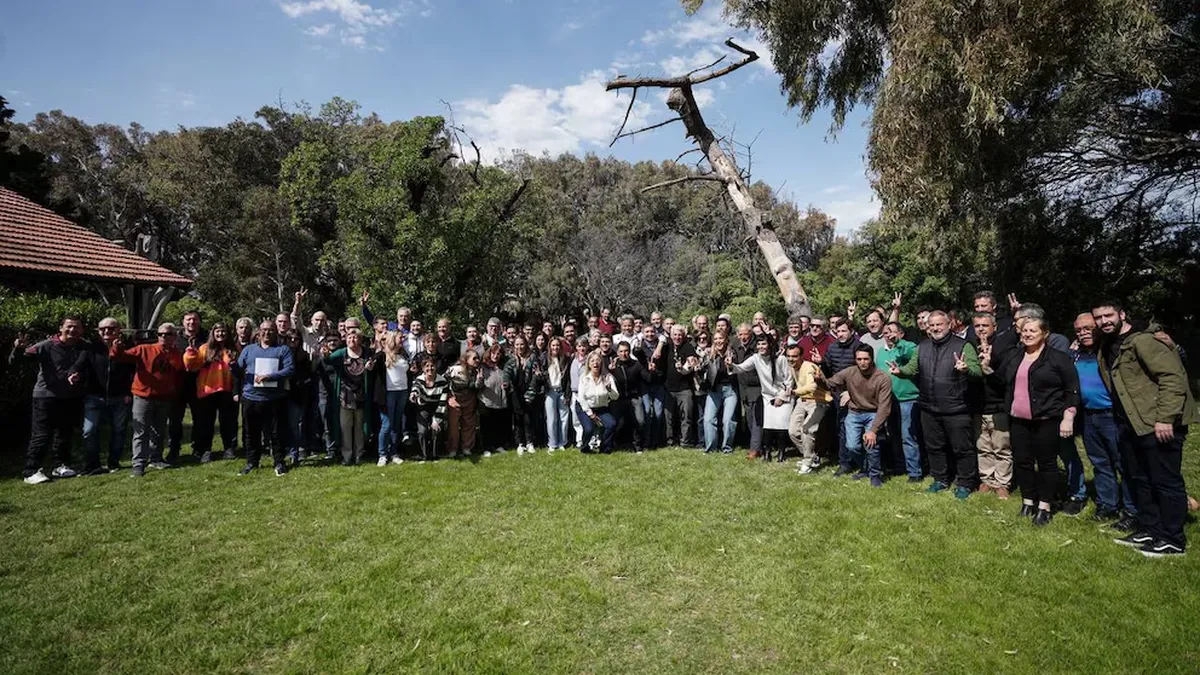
(671, 561)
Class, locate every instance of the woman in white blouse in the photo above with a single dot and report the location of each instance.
(596, 391)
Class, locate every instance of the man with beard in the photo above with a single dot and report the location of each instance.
(838, 357)
(192, 336)
(941, 366)
(1153, 407)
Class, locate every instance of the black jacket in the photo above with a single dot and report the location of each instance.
(659, 374)
(1053, 383)
(629, 377)
(108, 378)
(839, 357)
(749, 387)
(943, 389)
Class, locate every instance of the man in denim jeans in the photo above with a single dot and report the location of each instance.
(1100, 437)
(107, 402)
(870, 391)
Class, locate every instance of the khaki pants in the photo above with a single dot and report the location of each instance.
(995, 454)
(803, 424)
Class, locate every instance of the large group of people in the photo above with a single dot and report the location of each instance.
(979, 401)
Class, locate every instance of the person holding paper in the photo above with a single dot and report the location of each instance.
(870, 404)
(267, 366)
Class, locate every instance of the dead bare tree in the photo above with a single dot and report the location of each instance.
(723, 167)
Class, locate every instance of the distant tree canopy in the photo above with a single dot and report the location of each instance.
(339, 203)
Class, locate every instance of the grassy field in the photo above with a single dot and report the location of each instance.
(671, 561)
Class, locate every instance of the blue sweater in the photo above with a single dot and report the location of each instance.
(285, 369)
(1091, 387)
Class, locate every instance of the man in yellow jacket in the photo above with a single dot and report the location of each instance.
(812, 400)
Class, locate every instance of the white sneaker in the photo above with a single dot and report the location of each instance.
(497, 451)
(406, 440)
(520, 449)
(805, 469)
(549, 451)
(63, 471)
(487, 453)
(530, 449)
(382, 461)
(396, 460)
(37, 478)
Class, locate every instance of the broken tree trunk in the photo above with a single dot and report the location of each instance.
(724, 170)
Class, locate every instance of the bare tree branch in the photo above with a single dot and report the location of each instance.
(685, 179)
(619, 136)
(685, 80)
(632, 100)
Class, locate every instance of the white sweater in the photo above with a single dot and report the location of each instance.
(779, 386)
(596, 394)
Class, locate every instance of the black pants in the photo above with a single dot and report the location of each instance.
(523, 420)
(1156, 481)
(265, 420)
(186, 396)
(948, 438)
(679, 414)
(427, 438)
(53, 424)
(1035, 441)
(494, 426)
(208, 409)
(631, 415)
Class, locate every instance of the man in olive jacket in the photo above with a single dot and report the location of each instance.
(1152, 407)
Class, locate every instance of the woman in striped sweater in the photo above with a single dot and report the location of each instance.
(429, 393)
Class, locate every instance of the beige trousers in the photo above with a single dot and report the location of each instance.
(995, 455)
(802, 426)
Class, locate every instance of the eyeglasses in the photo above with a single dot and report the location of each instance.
(108, 329)
(166, 334)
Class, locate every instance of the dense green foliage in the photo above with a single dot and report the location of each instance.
(669, 562)
(1046, 147)
(343, 203)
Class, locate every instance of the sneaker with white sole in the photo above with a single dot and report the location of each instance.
(397, 460)
(530, 449)
(805, 468)
(382, 461)
(1136, 540)
(63, 471)
(520, 449)
(487, 453)
(549, 451)
(37, 478)
(1161, 549)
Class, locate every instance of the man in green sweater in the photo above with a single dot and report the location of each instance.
(1152, 407)
(905, 452)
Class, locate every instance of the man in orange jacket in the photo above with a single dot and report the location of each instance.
(157, 376)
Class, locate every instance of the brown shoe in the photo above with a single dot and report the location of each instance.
(1002, 493)
(752, 455)
(984, 487)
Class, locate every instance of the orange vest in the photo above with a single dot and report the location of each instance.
(214, 377)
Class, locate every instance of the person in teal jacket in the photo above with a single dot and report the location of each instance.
(354, 386)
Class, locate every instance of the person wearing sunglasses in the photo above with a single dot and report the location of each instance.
(107, 403)
(157, 367)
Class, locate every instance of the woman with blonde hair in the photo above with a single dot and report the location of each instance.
(597, 391)
(394, 395)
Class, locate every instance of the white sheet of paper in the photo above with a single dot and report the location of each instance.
(266, 366)
(776, 418)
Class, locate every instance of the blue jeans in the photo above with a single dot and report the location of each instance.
(391, 422)
(1069, 454)
(608, 429)
(654, 403)
(856, 424)
(1100, 441)
(903, 424)
(558, 418)
(845, 458)
(723, 401)
(96, 411)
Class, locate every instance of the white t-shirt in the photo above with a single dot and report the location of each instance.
(397, 375)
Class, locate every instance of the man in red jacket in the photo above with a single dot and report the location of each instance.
(157, 376)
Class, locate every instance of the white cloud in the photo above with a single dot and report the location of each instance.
(570, 119)
(851, 212)
(835, 189)
(353, 19)
(707, 25)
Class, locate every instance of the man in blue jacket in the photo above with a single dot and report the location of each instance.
(267, 365)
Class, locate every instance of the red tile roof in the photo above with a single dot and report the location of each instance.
(34, 238)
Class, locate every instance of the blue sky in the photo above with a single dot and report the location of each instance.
(520, 74)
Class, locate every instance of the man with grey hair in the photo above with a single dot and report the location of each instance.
(244, 329)
(494, 332)
(626, 334)
(941, 366)
(155, 381)
(107, 402)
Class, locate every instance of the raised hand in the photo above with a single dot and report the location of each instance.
(301, 294)
(1013, 303)
(985, 355)
(893, 368)
(815, 356)
(21, 342)
(959, 364)
(366, 296)
(851, 309)
(896, 300)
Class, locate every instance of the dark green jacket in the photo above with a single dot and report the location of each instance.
(1150, 381)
